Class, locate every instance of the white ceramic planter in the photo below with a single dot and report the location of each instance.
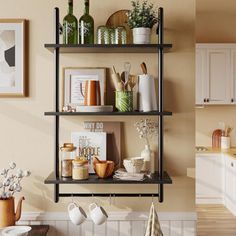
(141, 35)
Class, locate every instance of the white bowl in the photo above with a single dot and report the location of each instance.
(133, 164)
(16, 231)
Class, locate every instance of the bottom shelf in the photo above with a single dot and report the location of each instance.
(93, 179)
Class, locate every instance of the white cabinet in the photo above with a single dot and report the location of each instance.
(218, 76)
(213, 74)
(230, 184)
(209, 178)
(233, 76)
(200, 75)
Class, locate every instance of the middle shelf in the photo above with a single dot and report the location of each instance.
(93, 179)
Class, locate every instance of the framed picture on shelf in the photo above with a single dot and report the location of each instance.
(74, 84)
(89, 145)
(113, 131)
(13, 58)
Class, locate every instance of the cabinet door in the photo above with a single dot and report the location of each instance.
(209, 176)
(233, 76)
(218, 76)
(200, 76)
(230, 183)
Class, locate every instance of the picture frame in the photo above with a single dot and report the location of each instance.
(90, 145)
(73, 76)
(13, 58)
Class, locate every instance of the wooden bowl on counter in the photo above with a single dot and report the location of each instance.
(103, 169)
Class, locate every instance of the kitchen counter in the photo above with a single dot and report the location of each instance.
(229, 152)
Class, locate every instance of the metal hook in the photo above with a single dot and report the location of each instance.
(110, 200)
(152, 199)
(72, 198)
(93, 198)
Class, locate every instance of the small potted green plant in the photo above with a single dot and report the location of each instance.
(141, 18)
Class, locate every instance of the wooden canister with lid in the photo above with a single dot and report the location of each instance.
(80, 169)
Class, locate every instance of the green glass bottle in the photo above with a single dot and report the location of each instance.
(70, 26)
(86, 26)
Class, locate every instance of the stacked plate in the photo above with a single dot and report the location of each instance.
(107, 108)
(16, 231)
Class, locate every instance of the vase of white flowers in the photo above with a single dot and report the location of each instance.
(141, 19)
(10, 183)
(147, 129)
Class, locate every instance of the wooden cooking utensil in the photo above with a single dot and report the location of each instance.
(144, 68)
(216, 135)
(122, 76)
(120, 18)
(132, 81)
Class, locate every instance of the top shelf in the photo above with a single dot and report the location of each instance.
(108, 48)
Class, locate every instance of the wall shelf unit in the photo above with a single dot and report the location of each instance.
(161, 177)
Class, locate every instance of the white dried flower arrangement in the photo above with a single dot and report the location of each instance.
(147, 129)
(10, 183)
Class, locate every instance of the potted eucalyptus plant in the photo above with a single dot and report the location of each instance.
(141, 18)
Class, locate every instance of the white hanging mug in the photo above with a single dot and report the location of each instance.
(97, 214)
(76, 214)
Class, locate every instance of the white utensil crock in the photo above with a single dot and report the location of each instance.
(76, 214)
(141, 35)
(225, 142)
(97, 214)
(147, 93)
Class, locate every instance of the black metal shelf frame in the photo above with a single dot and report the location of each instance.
(161, 178)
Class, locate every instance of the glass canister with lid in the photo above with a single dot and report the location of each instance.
(80, 170)
(68, 153)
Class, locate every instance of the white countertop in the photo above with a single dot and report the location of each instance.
(229, 152)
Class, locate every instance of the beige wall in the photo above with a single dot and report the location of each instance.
(215, 23)
(27, 136)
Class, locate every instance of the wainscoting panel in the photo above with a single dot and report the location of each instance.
(118, 224)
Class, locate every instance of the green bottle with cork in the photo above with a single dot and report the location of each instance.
(86, 26)
(70, 26)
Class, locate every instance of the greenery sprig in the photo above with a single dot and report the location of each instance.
(147, 129)
(142, 15)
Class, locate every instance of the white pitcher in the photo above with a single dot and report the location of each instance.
(147, 93)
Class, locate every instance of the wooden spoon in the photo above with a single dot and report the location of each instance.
(144, 68)
(132, 81)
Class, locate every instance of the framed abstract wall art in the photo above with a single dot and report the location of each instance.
(13, 53)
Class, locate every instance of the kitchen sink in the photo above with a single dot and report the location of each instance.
(202, 149)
